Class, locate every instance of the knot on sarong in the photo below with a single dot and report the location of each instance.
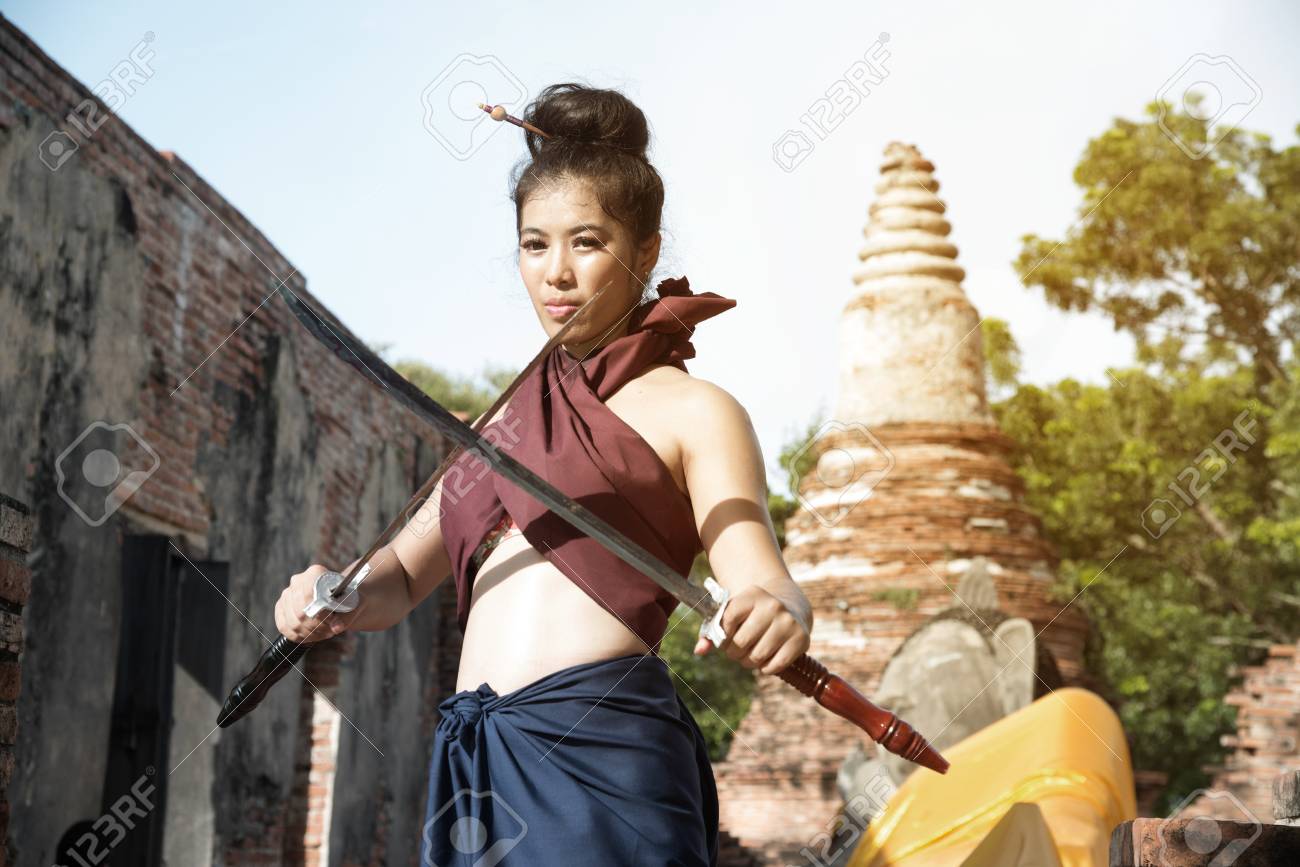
(463, 710)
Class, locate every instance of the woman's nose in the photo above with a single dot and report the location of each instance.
(559, 271)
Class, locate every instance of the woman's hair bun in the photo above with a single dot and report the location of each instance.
(576, 114)
(597, 136)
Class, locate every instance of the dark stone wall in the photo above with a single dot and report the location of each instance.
(132, 294)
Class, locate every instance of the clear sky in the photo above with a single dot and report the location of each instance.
(309, 118)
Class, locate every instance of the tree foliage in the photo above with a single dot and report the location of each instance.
(1181, 572)
(1182, 547)
(1204, 250)
(470, 396)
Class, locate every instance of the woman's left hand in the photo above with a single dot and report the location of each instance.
(762, 631)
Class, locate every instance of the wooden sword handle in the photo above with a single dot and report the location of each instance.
(886, 728)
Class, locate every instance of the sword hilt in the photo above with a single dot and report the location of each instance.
(250, 691)
(886, 728)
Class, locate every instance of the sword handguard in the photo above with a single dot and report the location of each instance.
(324, 600)
(712, 628)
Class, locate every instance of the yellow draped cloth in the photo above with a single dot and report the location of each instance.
(1065, 754)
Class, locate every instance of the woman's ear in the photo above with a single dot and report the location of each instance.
(648, 255)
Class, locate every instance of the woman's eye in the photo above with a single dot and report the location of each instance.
(581, 241)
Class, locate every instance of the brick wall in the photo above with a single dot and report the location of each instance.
(15, 587)
(132, 292)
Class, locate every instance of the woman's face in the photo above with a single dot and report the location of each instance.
(568, 250)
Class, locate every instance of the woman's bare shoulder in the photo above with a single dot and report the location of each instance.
(699, 401)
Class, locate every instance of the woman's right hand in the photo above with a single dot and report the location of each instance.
(291, 621)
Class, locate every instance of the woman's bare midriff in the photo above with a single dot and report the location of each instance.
(527, 620)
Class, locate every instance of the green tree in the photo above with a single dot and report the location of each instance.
(1173, 607)
(468, 395)
(1183, 549)
(1001, 356)
(1204, 251)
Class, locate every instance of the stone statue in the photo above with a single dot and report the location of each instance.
(965, 668)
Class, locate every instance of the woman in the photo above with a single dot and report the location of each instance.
(566, 742)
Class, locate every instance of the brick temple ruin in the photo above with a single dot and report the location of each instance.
(923, 486)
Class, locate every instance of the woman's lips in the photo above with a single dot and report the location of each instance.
(560, 311)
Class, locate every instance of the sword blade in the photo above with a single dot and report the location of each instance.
(805, 674)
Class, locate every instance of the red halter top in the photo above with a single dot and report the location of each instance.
(558, 426)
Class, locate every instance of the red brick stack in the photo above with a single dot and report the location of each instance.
(15, 588)
(1268, 731)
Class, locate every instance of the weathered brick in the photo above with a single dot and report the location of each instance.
(11, 633)
(1181, 842)
(10, 681)
(15, 525)
(15, 580)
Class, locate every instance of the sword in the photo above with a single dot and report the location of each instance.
(805, 674)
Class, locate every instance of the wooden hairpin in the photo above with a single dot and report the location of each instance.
(498, 112)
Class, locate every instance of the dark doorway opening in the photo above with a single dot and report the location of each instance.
(173, 618)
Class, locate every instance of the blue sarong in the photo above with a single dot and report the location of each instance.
(599, 763)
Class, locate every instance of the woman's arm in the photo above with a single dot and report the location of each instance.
(402, 574)
(768, 620)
